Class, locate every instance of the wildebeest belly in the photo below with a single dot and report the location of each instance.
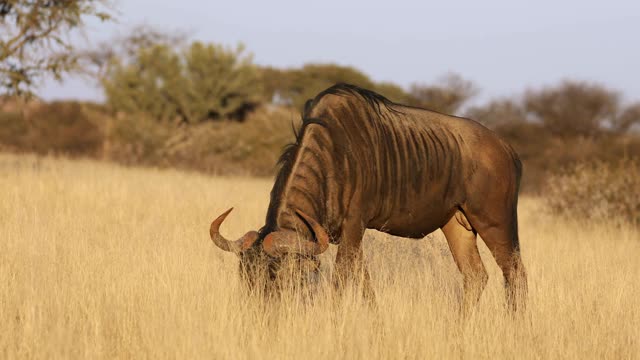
(414, 220)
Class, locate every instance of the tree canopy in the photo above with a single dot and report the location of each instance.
(199, 82)
(35, 40)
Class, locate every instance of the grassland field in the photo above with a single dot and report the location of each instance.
(102, 261)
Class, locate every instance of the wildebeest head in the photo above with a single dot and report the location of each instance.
(267, 259)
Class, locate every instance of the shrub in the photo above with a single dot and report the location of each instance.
(295, 86)
(13, 129)
(248, 148)
(597, 190)
(498, 113)
(61, 127)
(448, 96)
(136, 139)
(574, 108)
(226, 147)
(202, 82)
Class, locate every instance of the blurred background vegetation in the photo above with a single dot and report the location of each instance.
(172, 102)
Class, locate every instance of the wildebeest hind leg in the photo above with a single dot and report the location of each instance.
(501, 238)
(463, 244)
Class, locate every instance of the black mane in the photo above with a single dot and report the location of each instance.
(284, 166)
(290, 151)
(373, 99)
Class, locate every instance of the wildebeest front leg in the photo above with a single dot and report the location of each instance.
(463, 244)
(350, 264)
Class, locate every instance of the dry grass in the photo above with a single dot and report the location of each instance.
(99, 261)
(596, 189)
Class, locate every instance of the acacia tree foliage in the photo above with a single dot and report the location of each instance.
(447, 96)
(295, 86)
(574, 108)
(152, 84)
(498, 113)
(96, 60)
(220, 82)
(627, 118)
(34, 39)
(569, 109)
(201, 82)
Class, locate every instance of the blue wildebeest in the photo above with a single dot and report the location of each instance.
(361, 161)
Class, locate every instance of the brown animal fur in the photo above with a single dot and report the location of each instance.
(362, 161)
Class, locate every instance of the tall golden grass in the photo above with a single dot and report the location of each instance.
(101, 261)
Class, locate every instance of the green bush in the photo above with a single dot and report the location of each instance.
(203, 82)
(597, 191)
(295, 86)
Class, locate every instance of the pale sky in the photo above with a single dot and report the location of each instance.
(503, 46)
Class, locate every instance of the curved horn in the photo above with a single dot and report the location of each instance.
(280, 242)
(237, 246)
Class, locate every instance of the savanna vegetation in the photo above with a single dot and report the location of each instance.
(104, 261)
(35, 39)
(101, 260)
(202, 106)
